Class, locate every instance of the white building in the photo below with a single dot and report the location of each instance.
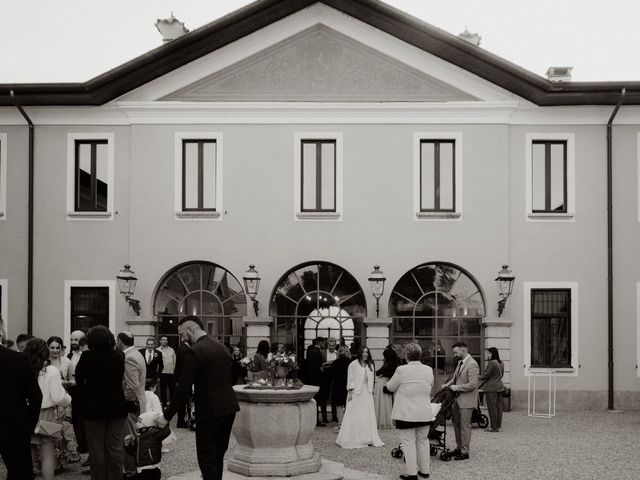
(314, 140)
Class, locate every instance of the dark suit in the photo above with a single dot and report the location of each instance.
(208, 366)
(155, 367)
(19, 411)
(99, 377)
(177, 373)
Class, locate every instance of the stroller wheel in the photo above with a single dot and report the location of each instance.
(397, 452)
(483, 421)
(433, 451)
(445, 456)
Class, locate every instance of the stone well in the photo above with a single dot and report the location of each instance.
(273, 430)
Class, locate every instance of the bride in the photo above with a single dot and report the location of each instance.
(359, 428)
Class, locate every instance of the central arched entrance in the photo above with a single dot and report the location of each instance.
(206, 290)
(436, 305)
(317, 299)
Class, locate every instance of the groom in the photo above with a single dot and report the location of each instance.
(208, 364)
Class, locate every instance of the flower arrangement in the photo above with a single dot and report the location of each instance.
(281, 365)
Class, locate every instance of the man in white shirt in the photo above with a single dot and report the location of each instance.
(76, 404)
(167, 379)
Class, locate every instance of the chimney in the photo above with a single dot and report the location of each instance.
(559, 74)
(171, 28)
(472, 38)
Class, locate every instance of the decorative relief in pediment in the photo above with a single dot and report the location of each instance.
(319, 64)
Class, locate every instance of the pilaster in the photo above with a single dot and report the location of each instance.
(377, 330)
(141, 328)
(257, 328)
(497, 333)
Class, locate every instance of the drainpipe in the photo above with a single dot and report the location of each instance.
(30, 203)
(610, 240)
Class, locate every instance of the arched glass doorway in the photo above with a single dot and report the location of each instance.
(317, 299)
(204, 289)
(437, 305)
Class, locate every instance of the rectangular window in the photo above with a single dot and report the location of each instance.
(318, 176)
(551, 328)
(91, 175)
(437, 176)
(89, 307)
(199, 169)
(549, 176)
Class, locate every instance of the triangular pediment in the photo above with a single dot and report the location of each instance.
(319, 64)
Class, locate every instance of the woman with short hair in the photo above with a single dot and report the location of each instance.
(99, 374)
(493, 388)
(412, 411)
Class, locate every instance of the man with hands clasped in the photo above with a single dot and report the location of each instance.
(465, 383)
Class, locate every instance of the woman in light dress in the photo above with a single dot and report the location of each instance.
(359, 427)
(383, 402)
(68, 452)
(53, 396)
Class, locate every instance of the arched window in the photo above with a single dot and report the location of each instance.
(437, 305)
(206, 290)
(317, 299)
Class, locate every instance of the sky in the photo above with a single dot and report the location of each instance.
(76, 40)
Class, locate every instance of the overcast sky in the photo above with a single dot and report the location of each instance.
(75, 40)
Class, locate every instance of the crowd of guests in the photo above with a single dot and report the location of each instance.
(89, 401)
(92, 399)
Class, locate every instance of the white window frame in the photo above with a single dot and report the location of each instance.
(68, 284)
(297, 159)
(3, 176)
(569, 215)
(638, 329)
(4, 307)
(638, 186)
(193, 215)
(72, 214)
(457, 214)
(575, 365)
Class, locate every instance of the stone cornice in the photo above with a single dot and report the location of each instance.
(496, 322)
(377, 322)
(262, 321)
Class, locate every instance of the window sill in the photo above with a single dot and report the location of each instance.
(318, 215)
(550, 216)
(555, 371)
(438, 215)
(90, 215)
(197, 215)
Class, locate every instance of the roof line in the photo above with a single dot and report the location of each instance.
(261, 13)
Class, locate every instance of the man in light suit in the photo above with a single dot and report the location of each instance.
(135, 372)
(465, 383)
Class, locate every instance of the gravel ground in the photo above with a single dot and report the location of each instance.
(589, 445)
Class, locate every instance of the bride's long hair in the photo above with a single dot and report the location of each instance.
(369, 361)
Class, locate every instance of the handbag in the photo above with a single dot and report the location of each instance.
(48, 429)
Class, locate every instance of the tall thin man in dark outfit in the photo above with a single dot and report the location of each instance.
(208, 366)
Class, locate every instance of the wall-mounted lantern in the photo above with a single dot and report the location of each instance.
(504, 280)
(127, 284)
(251, 281)
(377, 280)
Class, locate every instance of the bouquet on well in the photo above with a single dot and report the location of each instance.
(281, 365)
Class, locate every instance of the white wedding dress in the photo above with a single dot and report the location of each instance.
(359, 427)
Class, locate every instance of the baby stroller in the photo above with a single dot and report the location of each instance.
(438, 428)
(478, 417)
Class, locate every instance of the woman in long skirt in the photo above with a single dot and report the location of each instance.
(383, 402)
(359, 428)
